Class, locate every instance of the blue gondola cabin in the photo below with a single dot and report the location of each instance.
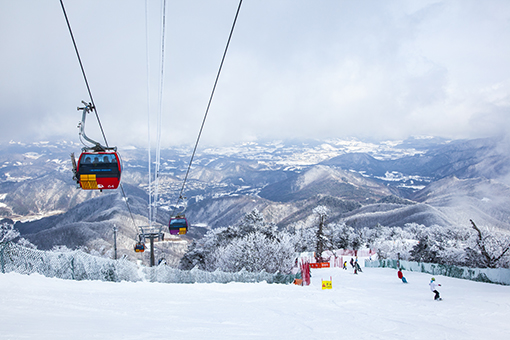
(178, 225)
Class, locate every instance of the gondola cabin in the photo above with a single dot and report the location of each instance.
(99, 170)
(178, 225)
(139, 247)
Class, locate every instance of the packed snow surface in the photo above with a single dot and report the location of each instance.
(374, 304)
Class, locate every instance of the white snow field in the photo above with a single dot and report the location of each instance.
(372, 305)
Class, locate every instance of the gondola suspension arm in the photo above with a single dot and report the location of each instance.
(98, 147)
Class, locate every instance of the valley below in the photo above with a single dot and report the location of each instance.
(427, 181)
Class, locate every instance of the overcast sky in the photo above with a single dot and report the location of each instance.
(295, 69)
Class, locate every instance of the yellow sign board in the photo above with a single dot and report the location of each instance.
(327, 284)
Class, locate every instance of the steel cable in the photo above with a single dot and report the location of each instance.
(208, 105)
(83, 72)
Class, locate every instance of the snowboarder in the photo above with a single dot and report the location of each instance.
(401, 276)
(356, 264)
(433, 289)
(352, 262)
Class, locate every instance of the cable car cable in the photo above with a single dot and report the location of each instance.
(83, 72)
(127, 204)
(92, 101)
(149, 214)
(208, 105)
(160, 111)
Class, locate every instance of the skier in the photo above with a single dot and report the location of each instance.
(345, 265)
(433, 289)
(352, 262)
(357, 265)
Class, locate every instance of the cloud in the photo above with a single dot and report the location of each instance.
(382, 70)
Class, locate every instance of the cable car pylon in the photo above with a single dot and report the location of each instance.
(150, 233)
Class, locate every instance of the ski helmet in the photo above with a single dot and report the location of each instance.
(433, 279)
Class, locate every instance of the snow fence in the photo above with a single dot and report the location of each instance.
(490, 275)
(77, 265)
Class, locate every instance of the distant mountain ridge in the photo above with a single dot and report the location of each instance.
(426, 181)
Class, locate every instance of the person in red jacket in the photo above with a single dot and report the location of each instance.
(401, 276)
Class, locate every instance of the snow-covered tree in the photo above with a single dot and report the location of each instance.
(425, 250)
(322, 240)
(390, 242)
(7, 232)
(357, 240)
(253, 245)
(339, 235)
(451, 244)
(252, 221)
(304, 238)
(487, 248)
(256, 252)
(194, 257)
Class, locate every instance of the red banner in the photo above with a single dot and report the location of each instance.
(320, 265)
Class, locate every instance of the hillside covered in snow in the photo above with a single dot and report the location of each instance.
(374, 304)
(428, 181)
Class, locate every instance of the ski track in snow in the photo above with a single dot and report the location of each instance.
(372, 305)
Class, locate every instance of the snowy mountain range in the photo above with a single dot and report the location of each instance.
(420, 180)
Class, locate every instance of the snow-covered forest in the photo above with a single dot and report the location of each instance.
(256, 245)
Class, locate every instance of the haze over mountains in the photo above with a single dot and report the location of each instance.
(429, 181)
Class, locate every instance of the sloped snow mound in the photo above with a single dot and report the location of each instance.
(374, 304)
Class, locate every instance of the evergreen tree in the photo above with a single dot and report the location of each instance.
(194, 257)
(253, 221)
(339, 235)
(357, 240)
(424, 251)
(7, 232)
(322, 240)
(304, 239)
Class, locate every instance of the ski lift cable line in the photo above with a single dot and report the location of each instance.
(83, 72)
(208, 105)
(148, 107)
(92, 100)
(127, 204)
(160, 110)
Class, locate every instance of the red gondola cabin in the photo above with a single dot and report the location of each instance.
(139, 247)
(99, 170)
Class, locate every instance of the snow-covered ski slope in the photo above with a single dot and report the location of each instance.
(374, 304)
